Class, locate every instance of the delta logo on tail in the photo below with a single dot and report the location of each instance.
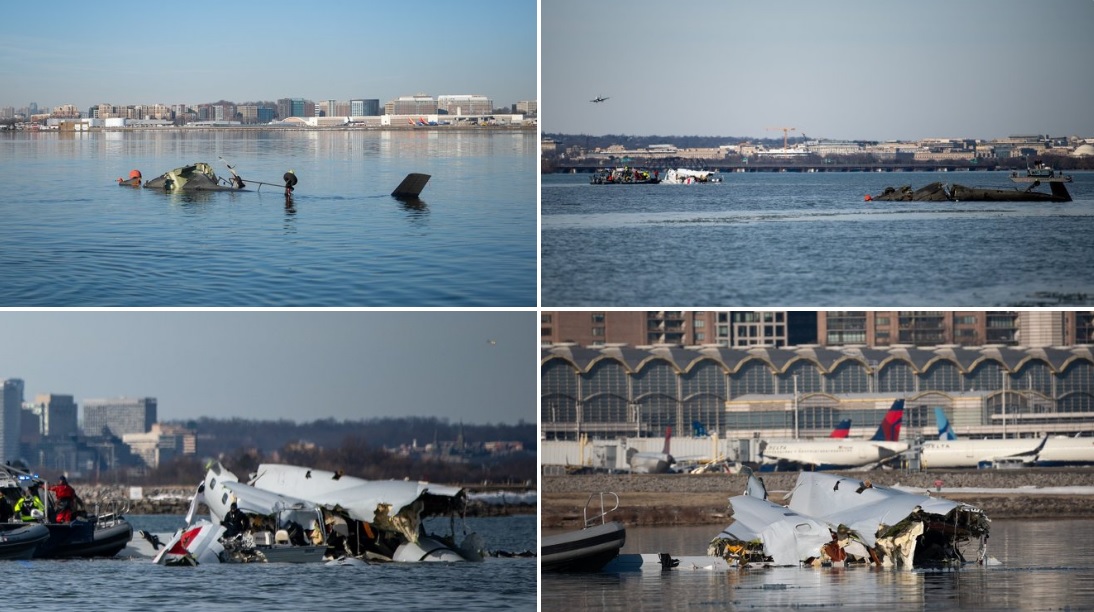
(889, 430)
(842, 430)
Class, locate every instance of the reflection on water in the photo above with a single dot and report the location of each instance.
(1042, 568)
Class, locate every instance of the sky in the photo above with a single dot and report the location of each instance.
(68, 52)
(474, 367)
(839, 69)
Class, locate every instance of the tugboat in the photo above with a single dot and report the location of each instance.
(625, 176)
(1039, 173)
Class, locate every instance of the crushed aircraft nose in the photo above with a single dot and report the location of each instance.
(842, 520)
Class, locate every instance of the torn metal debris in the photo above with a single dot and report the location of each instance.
(834, 519)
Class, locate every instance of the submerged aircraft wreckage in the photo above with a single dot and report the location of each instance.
(938, 192)
(298, 514)
(834, 519)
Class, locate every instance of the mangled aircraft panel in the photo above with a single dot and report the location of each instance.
(892, 522)
(397, 505)
(784, 536)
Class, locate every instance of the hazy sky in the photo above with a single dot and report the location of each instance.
(68, 52)
(843, 69)
(301, 366)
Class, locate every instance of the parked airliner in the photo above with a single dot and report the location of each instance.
(839, 453)
(947, 452)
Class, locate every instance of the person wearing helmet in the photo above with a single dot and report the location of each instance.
(290, 183)
(235, 522)
(27, 505)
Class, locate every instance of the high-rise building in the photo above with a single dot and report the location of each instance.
(118, 416)
(11, 412)
(464, 105)
(419, 104)
(364, 108)
(59, 418)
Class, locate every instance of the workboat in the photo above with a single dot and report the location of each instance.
(88, 535)
(587, 549)
(21, 540)
(1033, 177)
(625, 176)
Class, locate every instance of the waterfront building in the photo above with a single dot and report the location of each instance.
(764, 392)
(118, 416)
(364, 108)
(727, 328)
(418, 104)
(464, 105)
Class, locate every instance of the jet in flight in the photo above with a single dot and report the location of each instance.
(598, 99)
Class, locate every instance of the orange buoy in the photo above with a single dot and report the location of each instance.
(134, 174)
(868, 198)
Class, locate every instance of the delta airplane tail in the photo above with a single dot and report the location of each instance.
(842, 430)
(945, 430)
(889, 430)
(668, 436)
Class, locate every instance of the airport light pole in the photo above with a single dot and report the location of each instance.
(795, 406)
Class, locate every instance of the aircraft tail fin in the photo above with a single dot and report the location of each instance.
(842, 430)
(889, 430)
(668, 436)
(945, 430)
(411, 187)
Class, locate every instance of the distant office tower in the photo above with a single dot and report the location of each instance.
(59, 416)
(420, 104)
(465, 105)
(364, 108)
(11, 412)
(118, 416)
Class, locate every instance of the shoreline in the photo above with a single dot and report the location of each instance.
(685, 499)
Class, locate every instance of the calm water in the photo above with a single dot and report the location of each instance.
(1047, 565)
(138, 584)
(789, 239)
(72, 237)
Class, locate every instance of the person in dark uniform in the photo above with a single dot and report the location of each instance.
(290, 183)
(235, 522)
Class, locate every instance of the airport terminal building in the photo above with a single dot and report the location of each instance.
(635, 392)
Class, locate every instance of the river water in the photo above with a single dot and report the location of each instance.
(138, 584)
(1045, 565)
(73, 237)
(791, 239)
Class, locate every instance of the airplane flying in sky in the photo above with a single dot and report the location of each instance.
(598, 99)
(839, 453)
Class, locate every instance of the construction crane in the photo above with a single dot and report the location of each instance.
(785, 130)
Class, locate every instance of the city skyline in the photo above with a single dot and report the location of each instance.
(342, 50)
(842, 70)
(471, 367)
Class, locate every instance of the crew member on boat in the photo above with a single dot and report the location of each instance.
(67, 500)
(29, 507)
(235, 522)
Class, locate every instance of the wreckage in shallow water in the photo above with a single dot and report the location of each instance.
(938, 192)
(833, 519)
(301, 515)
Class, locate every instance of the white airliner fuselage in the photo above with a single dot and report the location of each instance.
(970, 453)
